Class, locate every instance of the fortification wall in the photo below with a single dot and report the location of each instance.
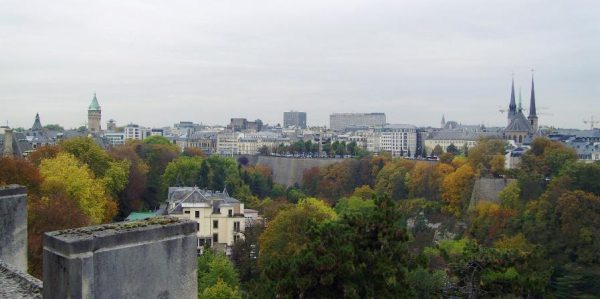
(13, 226)
(488, 190)
(154, 258)
(288, 171)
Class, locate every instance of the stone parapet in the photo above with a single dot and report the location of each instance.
(16, 284)
(13, 226)
(154, 258)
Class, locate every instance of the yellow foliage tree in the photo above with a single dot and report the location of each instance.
(364, 192)
(66, 174)
(457, 187)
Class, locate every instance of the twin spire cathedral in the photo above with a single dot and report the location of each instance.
(519, 127)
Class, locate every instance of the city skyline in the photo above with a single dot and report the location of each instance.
(157, 64)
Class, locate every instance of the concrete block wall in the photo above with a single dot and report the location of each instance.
(13, 226)
(154, 258)
(488, 190)
(288, 171)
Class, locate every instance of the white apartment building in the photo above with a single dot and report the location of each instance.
(251, 143)
(399, 140)
(219, 218)
(135, 132)
(234, 143)
(227, 143)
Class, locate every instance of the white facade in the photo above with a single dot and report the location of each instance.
(399, 140)
(251, 143)
(430, 144)
(227, 143)
(135, 132)
(219, 218)
(115, 138)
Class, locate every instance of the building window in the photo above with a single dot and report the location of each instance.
(187, 212)
(215, 238)
(236, 238)
(215, 223)
(230, 212)
(236, 226)
(197, 226)
(197, 214)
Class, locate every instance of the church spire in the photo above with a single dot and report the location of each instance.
(520, 105)
(533, 119)
(532, 112)
(443, 121)
(512, 107)
(94, 105)
(37, 124)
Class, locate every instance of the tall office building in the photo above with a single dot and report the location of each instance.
(294, 119)
(344, 121)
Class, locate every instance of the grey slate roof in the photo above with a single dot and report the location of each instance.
(179, 195)
(518, 124)
(20, 144)
(37, 124)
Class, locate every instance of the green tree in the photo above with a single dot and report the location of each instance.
(437, 151)
(453, 149)
(391, 181)
(286, 233)
(579, 218)
(510, 196)
(116, 177)
(426, 284)
(214, 266)
(203, 180)
(87, 151)
(157, 154)
(220, 290)
(156, 139)
(353, 205)
(130, 198)
(487, 157)
(183, 171)
(583, 176)
(54, 127)
(547, 158)
(359, 255)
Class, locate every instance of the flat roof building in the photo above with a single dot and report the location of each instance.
(294, 119)
(345, 121)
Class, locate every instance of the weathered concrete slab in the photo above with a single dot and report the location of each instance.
(153, 258)
(13, 226)
(487, 190)
(17, 284)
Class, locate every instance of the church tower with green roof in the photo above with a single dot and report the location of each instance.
(94, 115)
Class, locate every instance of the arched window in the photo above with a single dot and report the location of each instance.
(520, 138)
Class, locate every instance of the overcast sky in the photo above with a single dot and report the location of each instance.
(155, 63)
